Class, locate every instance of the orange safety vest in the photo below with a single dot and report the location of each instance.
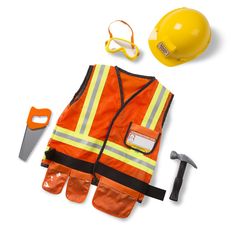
(109, 135)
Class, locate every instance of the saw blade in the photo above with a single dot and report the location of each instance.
(31, 137)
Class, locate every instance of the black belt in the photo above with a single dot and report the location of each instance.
(106, 171)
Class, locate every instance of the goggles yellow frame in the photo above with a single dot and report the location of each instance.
(124, 45)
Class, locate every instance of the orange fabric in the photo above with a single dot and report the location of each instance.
(78, 182)
(78, 186)
(122, 123)
(55, 178)
(110, 103)
(110, 197)
(69, 117)
(131, 84)
(125, 168)
(73, 151)
(114, 199)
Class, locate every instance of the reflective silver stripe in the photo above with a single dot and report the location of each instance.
(155, 108)
(78, 140)
(92, 99)
(109, 148)
(130, 157)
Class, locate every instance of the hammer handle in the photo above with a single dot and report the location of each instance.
(178, 182)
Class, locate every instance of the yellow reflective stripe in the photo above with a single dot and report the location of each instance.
(127, 161)
(92, 99)
(78, 135)
(131, 152)
(94, 145)
(96, 100)
(75, 144)
(151, 106)
(160, 109)
(88, 97)
(65, 131)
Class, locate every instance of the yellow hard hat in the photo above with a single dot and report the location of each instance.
(180, 36)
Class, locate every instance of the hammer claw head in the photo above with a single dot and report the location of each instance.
(182, 157)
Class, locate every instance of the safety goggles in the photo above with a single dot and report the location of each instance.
(128, 48)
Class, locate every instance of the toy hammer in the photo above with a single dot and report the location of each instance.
(179, 178)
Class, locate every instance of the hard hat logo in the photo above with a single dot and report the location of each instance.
(166, 47)
(161, 46)
(180, 36)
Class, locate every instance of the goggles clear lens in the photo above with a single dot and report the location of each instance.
(119, 44)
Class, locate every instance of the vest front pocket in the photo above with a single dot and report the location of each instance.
(55, 178)
(141, 139)
(78, 186)
(114, 198)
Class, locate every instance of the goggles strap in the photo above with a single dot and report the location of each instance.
(132, 32)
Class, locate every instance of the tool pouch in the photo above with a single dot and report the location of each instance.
(55, 178)
(114, 198)
(77, 186)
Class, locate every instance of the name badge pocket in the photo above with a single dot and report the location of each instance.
(141, 138)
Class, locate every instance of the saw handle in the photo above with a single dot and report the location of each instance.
(38, 112)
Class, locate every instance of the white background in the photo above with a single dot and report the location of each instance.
(45, 49)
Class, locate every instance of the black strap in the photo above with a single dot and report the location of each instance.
(106, 171)
(68, 161)
(130, 182)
